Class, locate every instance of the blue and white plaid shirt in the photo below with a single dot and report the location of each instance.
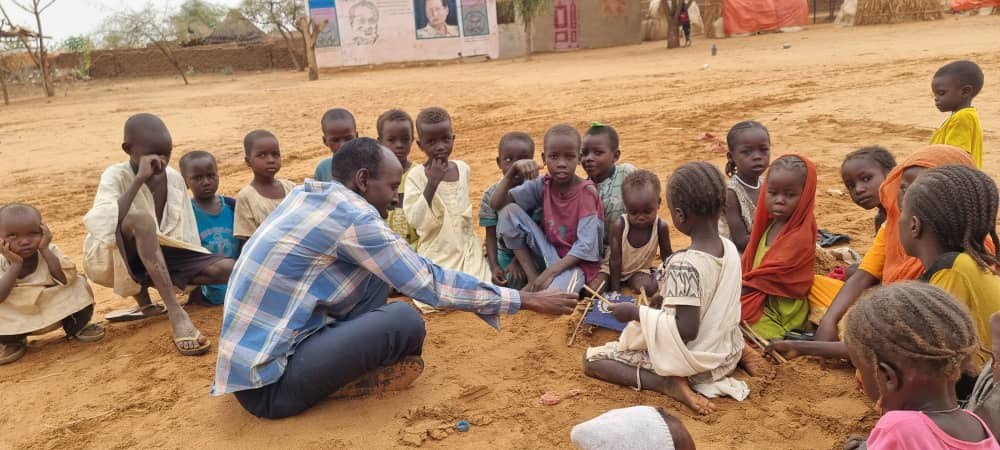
(308, 265)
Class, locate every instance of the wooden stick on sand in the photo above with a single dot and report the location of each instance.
(760, 341)
(586, 309)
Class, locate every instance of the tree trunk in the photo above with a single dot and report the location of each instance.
(291, 48)
(310, 34)
(529, 37)
(50, 90)
(673, 32)
(173, 61)
(3, 87)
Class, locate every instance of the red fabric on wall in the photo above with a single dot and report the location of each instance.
(748, 16)
(965, 5)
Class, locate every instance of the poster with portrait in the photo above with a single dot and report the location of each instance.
(321, 10)
(365, 32)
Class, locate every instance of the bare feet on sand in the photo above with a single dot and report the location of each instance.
(679, 389)
(755, 364)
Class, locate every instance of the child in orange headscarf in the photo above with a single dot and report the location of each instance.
(778, 261)
(886, 261)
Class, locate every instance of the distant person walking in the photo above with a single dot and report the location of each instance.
(685, 21)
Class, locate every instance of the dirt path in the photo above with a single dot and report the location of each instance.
(833, 90)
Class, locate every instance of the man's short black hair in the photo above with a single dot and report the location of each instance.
(354, 155)
(967, 73)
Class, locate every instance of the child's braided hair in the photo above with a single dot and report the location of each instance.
(960, 204)
(878, 155)
(912, 324)
(698, 189)
(791, 163)
(731, 137)
(392, 115)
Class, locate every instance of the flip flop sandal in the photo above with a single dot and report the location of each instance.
(137, 313)
(198, 351)
(800, 335)
(396, 377)
(97, 333)
(20, 350)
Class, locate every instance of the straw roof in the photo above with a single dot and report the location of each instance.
(235, 28)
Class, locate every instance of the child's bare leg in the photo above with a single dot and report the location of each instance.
(643, 281)
(625, 375)
(527, 262)
(140, 230)
(217, 273)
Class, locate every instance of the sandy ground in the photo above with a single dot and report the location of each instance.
(832, 91)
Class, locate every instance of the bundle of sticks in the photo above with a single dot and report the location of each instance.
(873, 12)
(759, 340)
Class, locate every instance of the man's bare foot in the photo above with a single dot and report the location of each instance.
(186, 335)
(756, 365)
(679, 389)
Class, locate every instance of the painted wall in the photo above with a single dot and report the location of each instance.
(361, 32)
(600, 23)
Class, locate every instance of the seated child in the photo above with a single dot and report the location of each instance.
(256, 201)
(39, 287)
(636, 238)
(695, 338)
(779, 285)
(514, 146)
(909, 341)
(946, 215)
(214, 214)
(954, 86)
(748, 156)
(395, 131)
(636, 427)
(141, 230)
(338, 127)
(599, 154)
(436, 200)
(863, 172)
(571, 236)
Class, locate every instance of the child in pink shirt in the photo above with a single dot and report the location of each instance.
(911, 342)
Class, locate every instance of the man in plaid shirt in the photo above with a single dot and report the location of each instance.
(306, 315)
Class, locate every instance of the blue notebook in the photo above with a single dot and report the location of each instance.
(601, 317)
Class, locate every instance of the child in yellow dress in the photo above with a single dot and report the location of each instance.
(954, 86)
(39, 287)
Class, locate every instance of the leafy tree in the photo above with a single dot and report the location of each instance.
(144, 27)
(278, 15)
(529, 10)
(81, 45)
(193, 12)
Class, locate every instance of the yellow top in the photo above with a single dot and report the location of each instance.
(963, 130)
(978, 290)
(874, 260)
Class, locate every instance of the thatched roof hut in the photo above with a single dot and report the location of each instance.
(235, 28)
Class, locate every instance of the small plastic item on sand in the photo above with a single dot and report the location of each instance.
(462, 426)
(786, 46)
(550, 398)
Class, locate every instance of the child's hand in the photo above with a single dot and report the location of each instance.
(499, 276)
(624, 312)
(525, 169)
(46, 238)
(436, 170)
(149, 166)
(515, 273)
(11, 256)
(541, 282)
